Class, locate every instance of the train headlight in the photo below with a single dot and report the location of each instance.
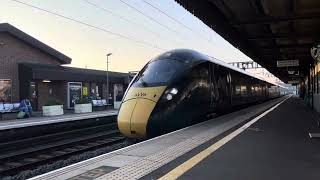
(169, 97)
(170, 93)
(173, 91)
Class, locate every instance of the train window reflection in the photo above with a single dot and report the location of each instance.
(243, 90)
(238, 90)
(159, 72)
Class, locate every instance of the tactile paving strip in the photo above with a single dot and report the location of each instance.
(150, 163)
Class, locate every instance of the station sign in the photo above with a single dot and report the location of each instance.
(85, 91)
(287, 63)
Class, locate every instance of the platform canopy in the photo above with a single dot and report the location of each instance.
(266, 30)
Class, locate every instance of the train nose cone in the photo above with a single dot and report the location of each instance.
(137, 112)
(124, 116)
(136, 109)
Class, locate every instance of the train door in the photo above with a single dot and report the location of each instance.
(230, 88)
(236, 88)
(223, 89)
(213, 87)
(200, 90)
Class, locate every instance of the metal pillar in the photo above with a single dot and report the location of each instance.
(109, 54)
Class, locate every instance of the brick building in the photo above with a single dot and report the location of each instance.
(31, 69)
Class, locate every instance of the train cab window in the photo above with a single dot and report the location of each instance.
(159, 72)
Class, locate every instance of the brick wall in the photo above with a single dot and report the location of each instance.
(14, 51)
(60, 91)
(43, 94)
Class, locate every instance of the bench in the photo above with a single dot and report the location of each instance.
(100, 104)
(8, 108)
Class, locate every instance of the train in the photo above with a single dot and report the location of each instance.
(179, 87)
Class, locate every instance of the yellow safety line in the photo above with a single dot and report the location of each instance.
(181, 169)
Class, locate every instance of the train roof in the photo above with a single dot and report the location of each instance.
(194, 56)
(182, 55)
(217, 61)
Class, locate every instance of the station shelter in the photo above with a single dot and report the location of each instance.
(30, 69)
(281, 36)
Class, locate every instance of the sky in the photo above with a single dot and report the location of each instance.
(134, 31)
(133, 36)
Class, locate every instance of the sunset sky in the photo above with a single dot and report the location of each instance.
(88, 46)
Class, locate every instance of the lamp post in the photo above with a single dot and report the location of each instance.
(109, 54)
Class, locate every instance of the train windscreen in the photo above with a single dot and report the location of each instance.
(159, 72)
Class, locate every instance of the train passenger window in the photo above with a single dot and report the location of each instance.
(243, 90)
(252, 90)
(159, 72)
(238, 90)
(256, 92)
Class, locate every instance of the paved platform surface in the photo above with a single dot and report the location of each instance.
(35, 121)
(139, 160)
(275, 147)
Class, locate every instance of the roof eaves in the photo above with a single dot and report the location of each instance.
(6, 27)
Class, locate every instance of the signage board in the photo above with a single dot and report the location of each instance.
(85, 91)
(74, 93)
(287, 63)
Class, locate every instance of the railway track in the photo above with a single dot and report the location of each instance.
(25, 154)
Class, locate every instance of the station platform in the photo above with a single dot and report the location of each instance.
(265, 141)
(36, 121)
